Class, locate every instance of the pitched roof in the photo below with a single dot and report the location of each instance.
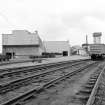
(20, 37)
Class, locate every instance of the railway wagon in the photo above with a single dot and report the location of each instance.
(97, 51)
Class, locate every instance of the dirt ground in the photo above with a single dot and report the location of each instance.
(45, 61)
(63, 93)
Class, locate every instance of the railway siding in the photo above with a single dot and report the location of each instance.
(97, 96)
(93, 96)
(33, 92)
(6, 86)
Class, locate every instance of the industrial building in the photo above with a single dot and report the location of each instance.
(96, 40)
(62, 47)
(22, 43)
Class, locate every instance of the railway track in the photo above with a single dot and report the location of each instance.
(42, 66)
(17, 71)
(32, 93)
(14, 84)
(90, 92)
(14, 74)
(95, 97)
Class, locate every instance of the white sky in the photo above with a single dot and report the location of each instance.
(55, 19)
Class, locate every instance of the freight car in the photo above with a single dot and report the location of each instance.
(97, 51)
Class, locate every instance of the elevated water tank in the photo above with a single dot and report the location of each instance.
(97, 37)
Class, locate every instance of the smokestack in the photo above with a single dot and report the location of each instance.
(97, 37)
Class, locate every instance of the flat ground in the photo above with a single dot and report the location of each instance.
(47, 60)
(63, 93)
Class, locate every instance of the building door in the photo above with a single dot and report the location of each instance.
(9, 55)
(65, 53)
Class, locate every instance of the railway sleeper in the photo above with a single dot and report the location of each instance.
(88, 86)
(22, 83)
(95, 75)
(91, 83)
(10, 87)
(45, 86)
(40, 89)
(25, 71)
(85, 91)
(93, 78)
(15, 85)
(18, 84)
(83, 98)
(32, 77)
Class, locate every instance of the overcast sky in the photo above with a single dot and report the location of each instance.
(55, 19)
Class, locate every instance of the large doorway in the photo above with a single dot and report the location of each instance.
(65, 53)
(10, 55)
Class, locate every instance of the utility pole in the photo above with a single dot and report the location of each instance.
(86, 39)
(86, 43)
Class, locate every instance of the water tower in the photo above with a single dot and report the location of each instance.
(97, 37)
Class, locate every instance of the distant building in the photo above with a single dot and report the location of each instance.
(77, 50)
(22, 43)
(62, 47)
(85, 46)
(82, 51)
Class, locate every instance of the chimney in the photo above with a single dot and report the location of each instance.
(97, 37)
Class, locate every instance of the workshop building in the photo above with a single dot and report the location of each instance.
(61, 47)
(22, 43)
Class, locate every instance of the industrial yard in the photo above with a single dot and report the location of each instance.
(68, 82)
(52, 52)
(33, 72)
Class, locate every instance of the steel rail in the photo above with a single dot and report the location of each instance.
(94, 90)
(32, 69)
(21, 82)
(20, 99)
